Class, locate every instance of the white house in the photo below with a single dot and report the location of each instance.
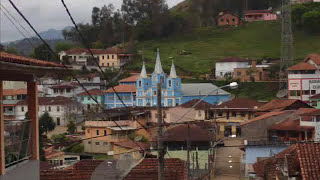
(225, 67)
(304, 78)
(66, 89)
(61, 109)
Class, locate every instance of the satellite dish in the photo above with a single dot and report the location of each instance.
(282, 93)
(138, 138)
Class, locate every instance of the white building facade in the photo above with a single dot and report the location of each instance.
(225, 67)
(304, 79)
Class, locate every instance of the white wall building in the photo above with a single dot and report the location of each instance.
(225, 67)
(61, 109)
(304, 78)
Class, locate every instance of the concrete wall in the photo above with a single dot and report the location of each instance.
(25, 170)
(228, 19)
(228, 67)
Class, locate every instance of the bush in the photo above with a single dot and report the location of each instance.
(75, 148)
(59, 138)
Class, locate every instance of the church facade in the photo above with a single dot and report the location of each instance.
(171, 91)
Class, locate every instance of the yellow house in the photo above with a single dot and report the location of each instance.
(230, 114)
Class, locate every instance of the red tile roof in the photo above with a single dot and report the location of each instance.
(122, 88)
(309, 158)
(148, 170)
(302, 66)
(11, 58)
(132, 145)
(264, 116)
(132, 78)
(283, 104)
(178, 133)
(240, 103)
(59, 100)
(317, 96)
(94, 92)
(14, 92)
(232, 59)
(314, 57)
(291, 124)
(316, 112)
(201, 106)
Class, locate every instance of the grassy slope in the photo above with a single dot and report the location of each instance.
(256, 40)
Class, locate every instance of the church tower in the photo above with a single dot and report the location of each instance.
(143, 84)
(173, 88)
(158, 76)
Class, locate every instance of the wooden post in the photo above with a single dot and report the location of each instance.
(33, 115)
(161, 173)
(2, 153)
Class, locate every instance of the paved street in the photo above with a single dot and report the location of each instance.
(228, 160)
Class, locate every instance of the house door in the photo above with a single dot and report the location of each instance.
(58, 121)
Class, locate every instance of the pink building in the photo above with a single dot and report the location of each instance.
(259, 15)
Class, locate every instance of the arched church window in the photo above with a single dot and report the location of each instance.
(162, 80)
(170, 83)
(154, 93)
(140, 83)
(177, 84)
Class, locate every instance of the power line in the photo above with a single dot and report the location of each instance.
(17, 28)
(56, 56)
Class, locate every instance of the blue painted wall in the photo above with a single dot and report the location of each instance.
(213, 99)
(128, 83)
(111, 100)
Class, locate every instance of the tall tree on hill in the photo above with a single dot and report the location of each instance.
(41, 52)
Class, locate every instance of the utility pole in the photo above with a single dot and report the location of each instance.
(188, 151)
(160, 133)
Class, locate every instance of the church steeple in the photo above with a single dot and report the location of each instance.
(143, 73)
(158, 68)
(173, 73)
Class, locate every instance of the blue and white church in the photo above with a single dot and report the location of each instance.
(146, 94)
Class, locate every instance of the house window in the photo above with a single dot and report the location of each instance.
(22, 109)
(82, 98)
(233, 20)
(243, 114)
(199, 113)
(239, 73)
(49, 108)
(68, 90)
(234, 114)
(103, 64)
(177, 84)
(220, 113)
(306, 92)
(222, 20)
(89, 142)
(313, 92)
(58, 108)
(112, 64)
(221, 73)
(58, 121)
(162, 80)
(298, 93)
(170, 83)
(140, 83)
(102, 57)
(88, 130)
(112, 57)
(105, 143)
(154, 93)
(105, 132)
(97, 143)
(293, 93)
(108, 64)
(97, 132)
(108, 58)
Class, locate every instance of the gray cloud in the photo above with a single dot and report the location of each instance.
(46, 14)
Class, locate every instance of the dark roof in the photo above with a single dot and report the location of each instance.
(94, 92)
(59, 100)
(148, 170)
(12, 58)
(240, 103)
(201, 106)
(283, 104)
(179, 133)
(302, 66)
(233, 59)
(264, 116)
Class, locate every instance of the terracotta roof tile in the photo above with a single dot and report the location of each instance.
(314, 57)
(302, 66)
(264, 116)
(14, 92)
(6, 57)
(290, 125)
(132, 78)
(122, 88)
(309, 158)
(282, 104)
(148, 170)
(201, 106)
(94, 92)
(240, 103)
(232, 59)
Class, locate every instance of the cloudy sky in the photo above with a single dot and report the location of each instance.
(46, 14)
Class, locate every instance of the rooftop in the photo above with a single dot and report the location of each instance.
(132, 78)
(314, 57)
(257, 11)
(283, 104)
(14, 92)
(197, 89)
(237, 103)
(201, 106)
(302, 66)
(122, 88)
(264, 116)
(232, 59)
(59, 100)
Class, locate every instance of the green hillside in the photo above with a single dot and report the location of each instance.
(255, 41)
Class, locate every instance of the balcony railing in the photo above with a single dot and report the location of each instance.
(18, 141)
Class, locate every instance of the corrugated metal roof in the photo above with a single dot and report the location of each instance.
(196, 89)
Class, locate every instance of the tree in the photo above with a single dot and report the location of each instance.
(1, 47)
(59, 138)
(72, 128)
(312, 21)
(42, 52)
(12, 50)
(46, 123)
(63, 46)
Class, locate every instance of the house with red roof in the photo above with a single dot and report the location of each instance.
(304, 79)
(131, 80)
(228, 18)
(117, 96)
(92, 99)
(259, 15)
